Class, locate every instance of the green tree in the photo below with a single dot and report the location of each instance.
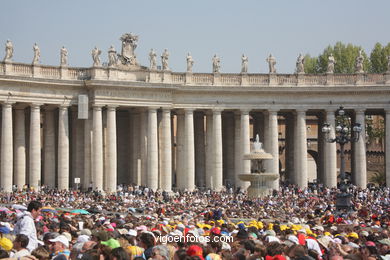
(345, 56)
(379, 58)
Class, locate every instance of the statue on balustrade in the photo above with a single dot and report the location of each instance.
(164, 60)
(271, 63)
(64, 56)
(96, 57)
(37, 54)
(331, 63)
(153, 59)
(190, 62)
(359, 63)
(9, 51)
(129, 44)
(300, 67)
(216, 64)
(244, 64)
(112, 57)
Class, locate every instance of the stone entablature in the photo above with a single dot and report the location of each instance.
(204, 79)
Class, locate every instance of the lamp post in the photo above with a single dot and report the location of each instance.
(344, 134)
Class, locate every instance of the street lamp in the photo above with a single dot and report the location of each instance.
(345, 133)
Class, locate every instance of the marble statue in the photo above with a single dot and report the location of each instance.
(331, 63)
(216, 64)
(9, 51)
(257, 146)
(129, 44)
(244, 64)
(190, 62)
(64, 56)
(271, 63)
(96, 57)
(153, 59)
(37, 54)
(164, 60)
(359, 63)
(300, 69)
(112, 58)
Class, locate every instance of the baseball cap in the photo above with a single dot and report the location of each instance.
(62, 239)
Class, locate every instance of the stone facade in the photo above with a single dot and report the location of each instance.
(165, 129)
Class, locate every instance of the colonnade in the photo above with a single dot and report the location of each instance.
(166, 147)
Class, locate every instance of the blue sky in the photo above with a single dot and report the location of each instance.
(204, 28)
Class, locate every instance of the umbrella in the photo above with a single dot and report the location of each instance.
(19, 207)
(80, 211)
(49, 209)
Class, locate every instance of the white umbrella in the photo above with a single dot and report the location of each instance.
(19, 207)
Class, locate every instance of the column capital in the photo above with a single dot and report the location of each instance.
(217, 110)
(97, 107)
(300, 110)
(245, 111)
(36, 105)
(360, 111)
(331, 110)
(166, 110)
(273, 110)
(8, 104)
(152, 109)
(387, 110)
(111, 107)
(189, 110)
(63, 107)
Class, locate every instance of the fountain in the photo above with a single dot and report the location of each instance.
(259, 179)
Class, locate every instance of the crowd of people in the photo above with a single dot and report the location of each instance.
(137, 223)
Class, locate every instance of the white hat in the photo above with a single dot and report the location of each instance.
(62, 239)
(321, 228)
(82, 238)
(132, 232)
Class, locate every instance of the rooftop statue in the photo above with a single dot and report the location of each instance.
(164, 60)
(9, 51)
(331, 63)
(37, 54)
(359, 63)
(96, 57)
(244, 64)
(190, 62)
(300, 68)
(153, 59)
(271, 63)
(129, 44)
(216, 64)
(64, 56)
(112, 58)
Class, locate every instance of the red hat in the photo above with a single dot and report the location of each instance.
(195, 251)
(215, 231)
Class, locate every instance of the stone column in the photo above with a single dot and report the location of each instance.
(245, 143)
(387, 145)
(63, 148)
(360, 152)
(217, 138)
(6, 148)
(180, 177)
(35, 146)
(20, 148)
(301, 149)
(189, 149)
(97, 152)
(321, 148)
(135, 146)
(144, 146)
(330, 177)
(152, 158)
(209, 150)
(237, 150)
(88, 178)
(111, 175)
(200, 171)
(289, 143)
(166, 151)
(273, 146)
